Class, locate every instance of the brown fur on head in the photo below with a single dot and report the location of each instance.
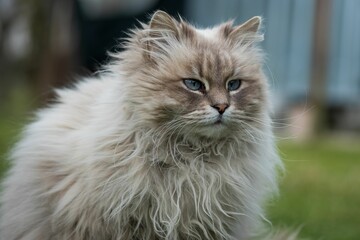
(166, 52)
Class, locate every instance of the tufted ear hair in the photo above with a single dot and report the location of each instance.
(247, 32)
(163, 23)
(162, 31)
(250, 26)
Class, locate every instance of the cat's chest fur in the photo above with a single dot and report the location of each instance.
(173, 194)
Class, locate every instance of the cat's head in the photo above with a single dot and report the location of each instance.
(204, 81)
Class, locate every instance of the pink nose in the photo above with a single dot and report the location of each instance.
(221, 107)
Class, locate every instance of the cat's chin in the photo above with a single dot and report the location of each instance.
(217, 129)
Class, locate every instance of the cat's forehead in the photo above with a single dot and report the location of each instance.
(212, 61)
(215, 60)
(214, 65)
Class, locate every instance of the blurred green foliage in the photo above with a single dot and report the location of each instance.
(14, 112)
(319, 191)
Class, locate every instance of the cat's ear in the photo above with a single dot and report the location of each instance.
(248, 31)
(163, 24)
(250, 26)
(162, 31)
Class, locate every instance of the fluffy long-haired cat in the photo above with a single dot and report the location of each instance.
(173, 141)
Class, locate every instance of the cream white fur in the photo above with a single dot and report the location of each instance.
(92, 167)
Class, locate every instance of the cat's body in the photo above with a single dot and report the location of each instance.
(134, 154)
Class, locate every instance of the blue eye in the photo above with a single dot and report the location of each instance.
(234, 85)
(194, 85)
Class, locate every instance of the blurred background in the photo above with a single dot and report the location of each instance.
(313, 65)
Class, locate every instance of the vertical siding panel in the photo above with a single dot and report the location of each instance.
(300, 39)
(248, 9)
(354, 25)
(212, 12)
(202, 13)
(357, 42)
(335, 46)
(276, 43)
(345, 55)
(344, 73)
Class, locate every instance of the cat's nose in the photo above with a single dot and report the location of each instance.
(221, 107)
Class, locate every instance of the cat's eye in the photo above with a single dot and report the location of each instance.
(234, 85)
(194, 85)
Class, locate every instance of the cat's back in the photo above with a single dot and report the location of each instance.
(46, 154)
(75, 106)
(59, 127)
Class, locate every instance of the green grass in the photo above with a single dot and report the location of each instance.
(13, 114)
(320, 191)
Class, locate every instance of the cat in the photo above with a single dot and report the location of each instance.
(173, 140)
